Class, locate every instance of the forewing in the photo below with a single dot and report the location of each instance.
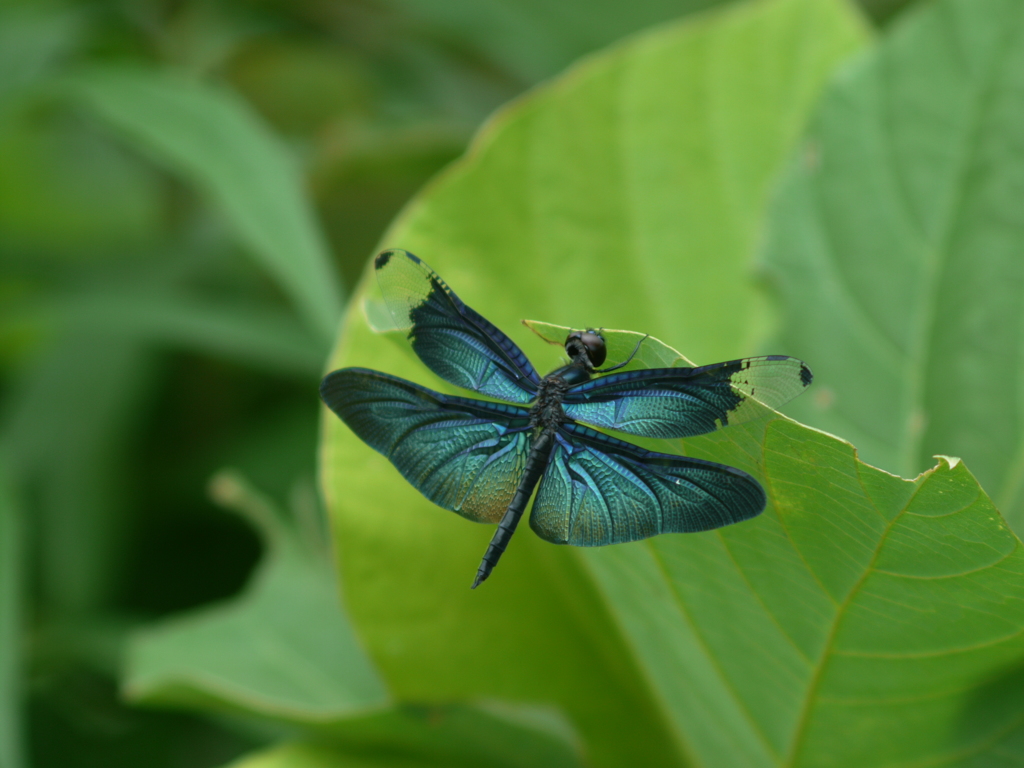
(598, 490)
(464, 455)
(454, 341)
(682, 402)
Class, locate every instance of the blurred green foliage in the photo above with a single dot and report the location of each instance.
(188, 191)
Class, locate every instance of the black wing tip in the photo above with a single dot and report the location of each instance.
(382, 259)
(806, 377)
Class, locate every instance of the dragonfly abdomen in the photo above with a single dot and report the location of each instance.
(536, 463)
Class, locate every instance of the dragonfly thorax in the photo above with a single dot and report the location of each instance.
(586, 350)
(546, 411)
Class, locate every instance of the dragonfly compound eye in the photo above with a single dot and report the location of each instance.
(596, 349)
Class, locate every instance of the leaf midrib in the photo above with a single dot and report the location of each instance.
(826, 653)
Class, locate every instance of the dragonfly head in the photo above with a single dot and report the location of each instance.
(586, 347)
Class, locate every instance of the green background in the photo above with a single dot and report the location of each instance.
(189, 197)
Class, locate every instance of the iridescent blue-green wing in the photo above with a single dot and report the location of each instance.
(598, 490)
(682, 402)
(464, 455)
(454, 341)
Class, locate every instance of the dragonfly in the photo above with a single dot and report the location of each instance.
(484, 459)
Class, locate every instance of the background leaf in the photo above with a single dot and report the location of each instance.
(32, 40)
(68, 441)
(655, 234)
(417, 736)
(11, 625)
(283, 649)
(251, 333)
(534, 40)
(213, 139)
(896, 244)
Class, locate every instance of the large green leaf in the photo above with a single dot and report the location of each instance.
(213, 139)
(897, 242)
(589, 195)
(625, 194)
(862, 620)
(284, 649)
